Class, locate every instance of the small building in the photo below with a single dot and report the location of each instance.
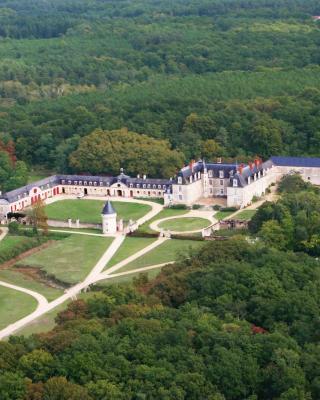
(109, 219)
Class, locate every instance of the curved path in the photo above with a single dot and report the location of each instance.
(42, 301)
(191, 214)
(94, 276)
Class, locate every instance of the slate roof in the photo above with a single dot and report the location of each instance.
(108, 209)
(13, 195)
(296, 161)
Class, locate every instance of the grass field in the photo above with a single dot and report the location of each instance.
(222, 215)
(170, 250)
(14, 305)
(70, 259)
(90, 210)
(245, 215)
(10, 242)
(20, 279)
(165, 213)
(130, 246)
(184, 224)
(117, 280)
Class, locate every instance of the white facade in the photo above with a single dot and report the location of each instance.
(109, 224)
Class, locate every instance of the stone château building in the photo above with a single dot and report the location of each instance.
(236, 184)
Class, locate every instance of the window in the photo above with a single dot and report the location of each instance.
(144, 186)
(235, 183)
(101, 183)
(159, 186)
(211, 191)
(210, 182)
(63, 181)
(164, 187)
(131, 185)
(210, 173)
(221, 182)
(138, 185)
(80, 182)
(180, 189)
(179, 180)
(221, 174)
(180, 197)
(221, 191)
(95, 183)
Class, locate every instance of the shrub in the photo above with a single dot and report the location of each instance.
(196, 206)
(14, 228)
(216, 207)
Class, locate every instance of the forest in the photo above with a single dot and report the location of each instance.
(237, 320)
(232, 78)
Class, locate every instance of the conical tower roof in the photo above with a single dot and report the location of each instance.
(108, 209)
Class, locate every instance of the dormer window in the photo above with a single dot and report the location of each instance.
(221, 174)
(180, 180)
(210, 173)
(249, 180)
(235, 182)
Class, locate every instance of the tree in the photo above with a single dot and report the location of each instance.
(108, 151)
(12, 386)
(39, 217)
(37, 365)
(273, 235)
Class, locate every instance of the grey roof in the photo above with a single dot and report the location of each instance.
(296, 161)
(12, 196)
(108, 209)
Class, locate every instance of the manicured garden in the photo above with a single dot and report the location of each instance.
(170, 250)
(184, 224)
(90, 210)
(130, 246)
(70, 260)
(14, 305)
(18, 278)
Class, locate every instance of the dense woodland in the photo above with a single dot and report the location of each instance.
(232, 78)
(175, 79)
(238, 320)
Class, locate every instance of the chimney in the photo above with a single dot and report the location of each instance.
(257, 162)
(144, 177)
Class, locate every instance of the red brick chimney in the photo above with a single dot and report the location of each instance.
(257, 162)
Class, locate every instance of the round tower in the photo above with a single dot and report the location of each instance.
(109, 219)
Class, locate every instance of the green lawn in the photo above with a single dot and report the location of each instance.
(117, 280)
(165, 213)
(71, 259)
(170, 250)
(184, 224)
(222, 215)
(245, 215)
(90, 210)
(10, 242)
(14, 305)
(130, 246)
(19, 279)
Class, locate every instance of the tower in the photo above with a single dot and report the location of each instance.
(205, 180)
(109, 219)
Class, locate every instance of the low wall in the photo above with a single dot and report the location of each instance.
(72, 224)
